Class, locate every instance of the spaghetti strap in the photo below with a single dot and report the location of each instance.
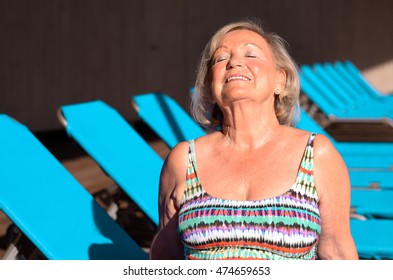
(311, 139)
(305, 182)
(193, 188)
(192, 153)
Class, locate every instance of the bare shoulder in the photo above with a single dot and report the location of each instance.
(334, 189)
(175, 166)
(173, 177)
(324, 149)
(330, 171)
(326, 156)
(322, 144)
(177, 158)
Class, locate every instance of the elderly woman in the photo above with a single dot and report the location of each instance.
(254, 188)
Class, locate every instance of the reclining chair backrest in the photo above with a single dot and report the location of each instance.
(170, 121)
(118, 149)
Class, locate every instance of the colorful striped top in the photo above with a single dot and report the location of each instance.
(286, 226)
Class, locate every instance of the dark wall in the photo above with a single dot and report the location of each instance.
(56, 52)
(324, 30)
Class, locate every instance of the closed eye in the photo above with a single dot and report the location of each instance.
(251, 55)
(219, 59)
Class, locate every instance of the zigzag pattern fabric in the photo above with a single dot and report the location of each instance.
(278, 228)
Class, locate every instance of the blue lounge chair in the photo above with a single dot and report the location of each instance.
(379, 149)
(50, 207)
(342, 81)
(372, 204)
(337, 105)
(351, 97)
(166, 117)
(339, 69)
(368, 89)
(118, 149)
(373, 238)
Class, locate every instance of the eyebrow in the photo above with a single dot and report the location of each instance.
(219, 47)
(252, 44)
(246, 44)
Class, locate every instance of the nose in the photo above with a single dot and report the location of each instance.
(234, 62)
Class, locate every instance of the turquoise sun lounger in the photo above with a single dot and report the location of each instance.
(118, 149)
(167, 118)
(373, 238)
(348, 96)
(50, 207)
(372, 204)
(337, 105)
(364, 154)
(367, 88)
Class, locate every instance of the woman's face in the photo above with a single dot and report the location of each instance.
(243, 68)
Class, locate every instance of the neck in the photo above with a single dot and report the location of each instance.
(248, 127)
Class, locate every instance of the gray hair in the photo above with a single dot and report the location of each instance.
(209, 115)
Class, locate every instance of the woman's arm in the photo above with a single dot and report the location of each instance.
(166, 244)
(334, 188)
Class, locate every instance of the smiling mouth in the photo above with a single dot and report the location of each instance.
(237, 78)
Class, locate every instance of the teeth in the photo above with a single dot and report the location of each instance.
(237, 78)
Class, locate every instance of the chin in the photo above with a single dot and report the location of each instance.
(236, 93)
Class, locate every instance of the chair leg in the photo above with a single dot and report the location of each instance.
(107, 198)
(11, 253)
(15, 236)
(112, 210)
(20, 247)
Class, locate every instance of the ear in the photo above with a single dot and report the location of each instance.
(281, 80)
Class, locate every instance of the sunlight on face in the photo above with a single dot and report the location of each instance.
(243, 67)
